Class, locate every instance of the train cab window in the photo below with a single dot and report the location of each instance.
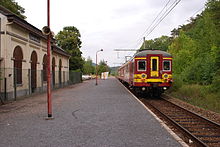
(141, 65)
(166, 65)
(154, 67)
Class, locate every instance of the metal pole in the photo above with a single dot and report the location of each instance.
(97, 67)
(144, 43)
(96, 70)
(48, 64)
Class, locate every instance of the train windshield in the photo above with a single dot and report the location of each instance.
(141, 65)
(166, 65)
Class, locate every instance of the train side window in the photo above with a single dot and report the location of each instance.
(141, 65)
(166, 65)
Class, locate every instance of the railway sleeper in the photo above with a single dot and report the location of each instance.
(211, 136)
(190, 121)
(211, 141)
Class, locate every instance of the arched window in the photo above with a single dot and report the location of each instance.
(45, 68)
(18, 57)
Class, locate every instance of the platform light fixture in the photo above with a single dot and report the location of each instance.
(96, 67)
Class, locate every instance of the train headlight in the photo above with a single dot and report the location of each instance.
(165, 76)
(143, 76)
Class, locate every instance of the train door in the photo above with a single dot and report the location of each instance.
(155, 66)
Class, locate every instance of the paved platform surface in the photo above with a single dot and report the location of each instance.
(85, 116)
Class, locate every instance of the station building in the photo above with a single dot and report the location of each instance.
(23, 58)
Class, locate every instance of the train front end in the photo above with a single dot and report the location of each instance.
(152, 71)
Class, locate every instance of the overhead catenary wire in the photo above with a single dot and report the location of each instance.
(163, 16)
(155, 19)
(196, 12)
(158, 19)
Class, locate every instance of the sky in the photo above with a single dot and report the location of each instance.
(110, 24)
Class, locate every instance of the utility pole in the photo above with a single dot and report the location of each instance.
(144, 43)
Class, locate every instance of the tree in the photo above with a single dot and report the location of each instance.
(103, 67)
(69, 40)
(88, 68)
(213, 8)
(161, 43)
(13, 7)
(196, 50)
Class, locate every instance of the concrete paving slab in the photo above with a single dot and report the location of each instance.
(85, 116)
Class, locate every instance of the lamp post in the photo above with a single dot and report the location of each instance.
(105, 73)
(97, 67)
(46, 31)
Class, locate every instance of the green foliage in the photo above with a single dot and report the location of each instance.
(69, 40)
(178, 83)
(13, 7)
(88, 68)
(198, 95)
(216, 84)
(103, 67)
(213, 8)
(196, 49)
(114, 71)
(160, 43)
(196, 62)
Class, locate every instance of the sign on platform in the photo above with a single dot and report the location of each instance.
(104, 75)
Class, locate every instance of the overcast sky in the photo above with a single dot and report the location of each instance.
(110, 24)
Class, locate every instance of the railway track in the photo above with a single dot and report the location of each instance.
(197, 130)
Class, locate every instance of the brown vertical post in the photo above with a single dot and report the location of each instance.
(48, 64)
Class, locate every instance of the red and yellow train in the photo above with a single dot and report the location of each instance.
(148, 71)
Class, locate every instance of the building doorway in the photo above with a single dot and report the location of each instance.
(53, 71)
(60, 72)
(33, 71)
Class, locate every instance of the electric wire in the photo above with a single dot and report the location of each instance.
(163, 16)
(156, 21)
(155, 18)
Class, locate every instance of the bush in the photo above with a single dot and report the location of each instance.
(177, 82)
(215, 86)
(199, 95)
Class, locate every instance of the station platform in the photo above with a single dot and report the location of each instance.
(85, 115)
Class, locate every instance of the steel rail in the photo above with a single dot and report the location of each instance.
(178, 125)
(189, 134)
(193, 115)
(196, 114)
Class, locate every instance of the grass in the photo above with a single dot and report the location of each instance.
(198, 95)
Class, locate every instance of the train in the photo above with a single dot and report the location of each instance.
(147, 72)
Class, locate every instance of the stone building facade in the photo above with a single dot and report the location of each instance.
(23, 58)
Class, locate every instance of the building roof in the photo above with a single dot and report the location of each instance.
(59, 50)
(24, 24)
(21, 22)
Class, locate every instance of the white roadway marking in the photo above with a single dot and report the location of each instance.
(159, 120)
